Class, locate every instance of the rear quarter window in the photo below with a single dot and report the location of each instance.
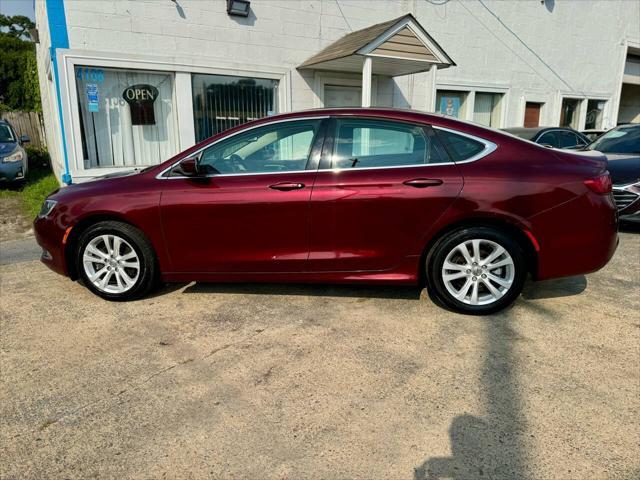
(460, 147)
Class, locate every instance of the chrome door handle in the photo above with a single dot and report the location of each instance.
(423, 182)
(286, 186)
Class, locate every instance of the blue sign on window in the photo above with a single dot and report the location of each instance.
(92, 97)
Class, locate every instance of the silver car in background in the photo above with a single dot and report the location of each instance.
(13, 158)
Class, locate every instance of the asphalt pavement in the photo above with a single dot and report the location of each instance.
(318, 382)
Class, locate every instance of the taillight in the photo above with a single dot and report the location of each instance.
(600, 184)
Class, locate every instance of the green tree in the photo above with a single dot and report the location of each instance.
(17, 26)
(19, 89)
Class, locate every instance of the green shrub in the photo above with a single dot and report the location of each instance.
(40, 182)
(38, 158)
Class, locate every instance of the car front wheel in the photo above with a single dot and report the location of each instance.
(477, 270)
(116, 261)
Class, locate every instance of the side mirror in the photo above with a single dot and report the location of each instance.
(189, 167)
(24, 139)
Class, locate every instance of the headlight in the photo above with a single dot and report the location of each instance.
(47, 206)
(14, 157)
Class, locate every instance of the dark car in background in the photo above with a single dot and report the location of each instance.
(621, 146)
(13, 158)
(556, 137)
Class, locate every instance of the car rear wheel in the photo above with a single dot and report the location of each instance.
(477, 270)
(116, 261)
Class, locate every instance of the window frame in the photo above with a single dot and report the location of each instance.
(267, 129)
(312, 158)
(327, 149)
(489, 146)
(69, 157)
(426, 131)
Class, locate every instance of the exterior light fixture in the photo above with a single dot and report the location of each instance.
(239, 8)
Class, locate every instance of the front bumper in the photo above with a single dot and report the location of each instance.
(627, 198)
(50, 236)
(11, 171)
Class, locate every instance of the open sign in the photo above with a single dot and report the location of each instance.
(140, 99)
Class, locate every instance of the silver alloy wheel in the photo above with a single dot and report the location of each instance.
(111, 263)
(478, 272)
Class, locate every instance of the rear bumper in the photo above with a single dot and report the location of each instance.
(577, 237)
(49, 236)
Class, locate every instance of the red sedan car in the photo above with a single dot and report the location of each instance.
(343, 195)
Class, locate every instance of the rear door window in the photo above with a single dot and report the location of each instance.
(363, 143)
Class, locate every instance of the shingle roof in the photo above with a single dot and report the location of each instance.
(352, 42)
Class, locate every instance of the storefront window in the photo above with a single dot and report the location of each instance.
(127, 117)
(222, 102)
(486, 109)
(451, 103)
(595, 109)
(570, 113)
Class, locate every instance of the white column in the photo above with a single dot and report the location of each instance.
(184, 110)
(431, 90)
(366, 82)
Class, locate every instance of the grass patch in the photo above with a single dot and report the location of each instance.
(39, 184)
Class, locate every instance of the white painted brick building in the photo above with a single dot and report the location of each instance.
(550, 63)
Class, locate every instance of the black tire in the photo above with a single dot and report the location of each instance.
(148, 276)
(439, 253)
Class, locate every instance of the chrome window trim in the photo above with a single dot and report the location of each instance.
(489, 147)
(160, 176)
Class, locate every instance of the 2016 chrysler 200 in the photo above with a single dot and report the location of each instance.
(345, 195)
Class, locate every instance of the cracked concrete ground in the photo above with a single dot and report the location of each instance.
(310, 382)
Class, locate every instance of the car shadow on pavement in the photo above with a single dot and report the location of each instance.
(311, 290)
(563, 287)
(494, 445)
(556, 288)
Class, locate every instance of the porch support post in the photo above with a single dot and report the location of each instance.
(366, 82)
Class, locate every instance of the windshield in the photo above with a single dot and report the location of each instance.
(619, 140)
(5, 134)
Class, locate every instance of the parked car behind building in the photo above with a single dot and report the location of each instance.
(556, 137)
(13, 158)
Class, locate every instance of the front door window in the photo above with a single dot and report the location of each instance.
(282, 147)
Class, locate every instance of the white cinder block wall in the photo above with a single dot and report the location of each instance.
(525, 49)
